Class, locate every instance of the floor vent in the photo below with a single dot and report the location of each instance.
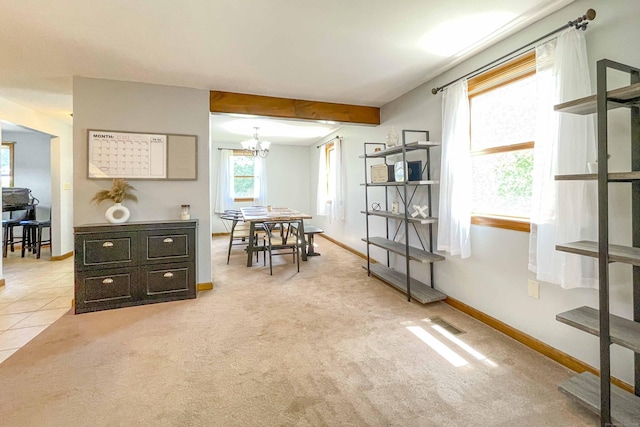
(445, 325)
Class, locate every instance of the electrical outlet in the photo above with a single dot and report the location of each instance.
(533, 289)
(66, 186)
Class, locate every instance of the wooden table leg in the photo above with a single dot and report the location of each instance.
(252, 231)
(302, 238)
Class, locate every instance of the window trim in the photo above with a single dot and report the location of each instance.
(505, 222)
(11, 145)
(510, 72)
(238, 153)
(504, 148)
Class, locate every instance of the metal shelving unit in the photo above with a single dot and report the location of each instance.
(614, 404)
(424, 255)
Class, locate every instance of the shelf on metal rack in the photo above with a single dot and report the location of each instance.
(411, 146)
(617, 253)
(415, 254)
(613, 177)
(585, 388)
(624, 332)
(397, 184)
(400, 217)
(419, 291)
(617, 98)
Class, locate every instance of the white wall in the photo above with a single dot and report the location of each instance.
(353, 228)
(32, 165)
(494, 279)
(287, 178)
(137, 107)
(61, 171)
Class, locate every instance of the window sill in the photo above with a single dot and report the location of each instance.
(507, 223)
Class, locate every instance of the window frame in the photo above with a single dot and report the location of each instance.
(11, 146)
(239, 153)
(516, 69)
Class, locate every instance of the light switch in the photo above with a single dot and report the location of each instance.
(533, 289)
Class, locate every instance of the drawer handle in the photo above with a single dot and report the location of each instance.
(107, 281)
(168, 240)
(107, 245)
(168, 275)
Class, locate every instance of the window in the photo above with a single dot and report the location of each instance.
(330, 151)
(330, 197)
(502, 108)
(6, 164)
(244, 179)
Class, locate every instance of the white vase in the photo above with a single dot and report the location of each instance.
(117, 214)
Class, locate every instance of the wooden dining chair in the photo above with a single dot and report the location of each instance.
(239, 231)
(281, 239)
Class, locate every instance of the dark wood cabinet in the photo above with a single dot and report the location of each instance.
(120, 265)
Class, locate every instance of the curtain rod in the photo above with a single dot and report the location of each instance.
(331, 140)
(580, 23)
(229, 149)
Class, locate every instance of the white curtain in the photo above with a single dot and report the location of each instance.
(322, 195)
(562, 212)
(260, 183)
(330, 195)
(454, 220)
(224, 200)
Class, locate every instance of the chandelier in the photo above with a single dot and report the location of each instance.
(255, 147)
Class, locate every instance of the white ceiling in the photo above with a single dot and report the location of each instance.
(365, 52)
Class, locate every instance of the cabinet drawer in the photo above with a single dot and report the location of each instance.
(109, 288)
(168, 246)
(105, 250)
(168, 280)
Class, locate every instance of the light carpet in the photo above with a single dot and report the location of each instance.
(328, 346)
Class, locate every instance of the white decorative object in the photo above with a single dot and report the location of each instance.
(185, 212)
(395, 208)
(592, 167)
(398, 171)
(120, 191)
(117, 214)
(420, 210)
(392, 138)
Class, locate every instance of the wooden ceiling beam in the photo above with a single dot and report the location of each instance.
(287, 108)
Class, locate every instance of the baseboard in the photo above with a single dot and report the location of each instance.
(343, 246)
(207, 286)
(533, 343)
(61, 257)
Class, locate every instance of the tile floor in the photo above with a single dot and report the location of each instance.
(37, 292)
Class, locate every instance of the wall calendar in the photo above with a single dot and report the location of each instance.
(127, 155)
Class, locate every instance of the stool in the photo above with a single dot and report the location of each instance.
(7, 235)
(310, 231)
(32, 236)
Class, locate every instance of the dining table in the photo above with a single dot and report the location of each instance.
(260, 214)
